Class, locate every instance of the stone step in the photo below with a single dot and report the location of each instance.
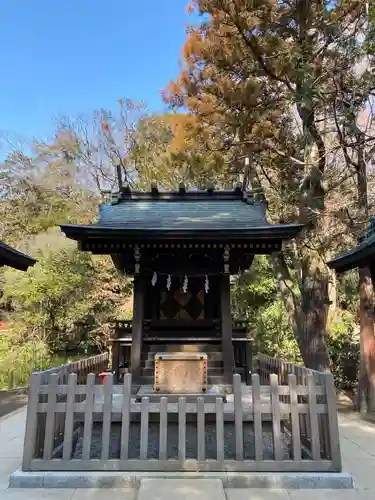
(188, 489)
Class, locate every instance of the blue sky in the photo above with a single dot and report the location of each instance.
(73, 56)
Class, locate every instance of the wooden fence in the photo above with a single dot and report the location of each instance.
(59, 376)
(94, 364)
(238, 439)
(267, 366)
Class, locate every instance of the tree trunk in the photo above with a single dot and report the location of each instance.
(313, 319)
(307, 315)
(366, 382)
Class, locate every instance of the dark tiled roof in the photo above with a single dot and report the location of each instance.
(362, 254)
(182, 215)
(13, 258)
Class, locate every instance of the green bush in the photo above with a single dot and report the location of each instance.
(19, 359)
(343, 347)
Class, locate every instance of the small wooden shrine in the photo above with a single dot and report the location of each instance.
(13, 258)
(181, 247)
(363, 255)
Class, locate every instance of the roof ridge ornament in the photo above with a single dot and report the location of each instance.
(182, 188)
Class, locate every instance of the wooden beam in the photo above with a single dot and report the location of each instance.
(137, 328)
(226, 328)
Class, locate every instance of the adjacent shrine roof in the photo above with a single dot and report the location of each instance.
(361, 255)
(182, 213)
(13, 258)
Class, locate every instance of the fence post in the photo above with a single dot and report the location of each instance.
(69, 416)
(275, 408)
(31, 421)
(238, 418)
(107, 414)
(333, 430)
(49, 436)
(313, 418)
(125, 417)
(182, 429)
(258, 432)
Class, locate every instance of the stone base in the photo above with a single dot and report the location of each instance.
(82, 479)
(147, 391)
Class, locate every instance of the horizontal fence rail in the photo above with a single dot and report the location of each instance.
(102, 427)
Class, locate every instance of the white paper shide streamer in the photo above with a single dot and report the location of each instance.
(206, 285)
(154, 279)
(169, 282)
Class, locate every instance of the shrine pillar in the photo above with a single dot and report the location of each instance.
(137, 328)
(226, 328)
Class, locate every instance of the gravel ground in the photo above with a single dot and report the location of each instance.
(191, 441)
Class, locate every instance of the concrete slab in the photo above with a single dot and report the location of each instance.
(107, 479)
(114, 494)
(362, 471)
(324, 495)
(7, 467)
(256, 494)
(367, 494)
(291, 480)
(37, 494)
(12, 449)
(200, 489)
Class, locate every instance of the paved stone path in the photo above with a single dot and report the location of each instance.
(11, 401)
(358, 452)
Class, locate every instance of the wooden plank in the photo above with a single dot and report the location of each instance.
(258, 431)
(187, 465)
(200, 429)
(87, 428)
(144, 428)
(125, 416)
(313, 418)
(238, 417)
(296, 438)
(276, 431)
(181, 429)
(163, 428)
(50, 420)
(69, 416)
(219, 430)
(107, 414)
(31, 421)
(333, 430)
